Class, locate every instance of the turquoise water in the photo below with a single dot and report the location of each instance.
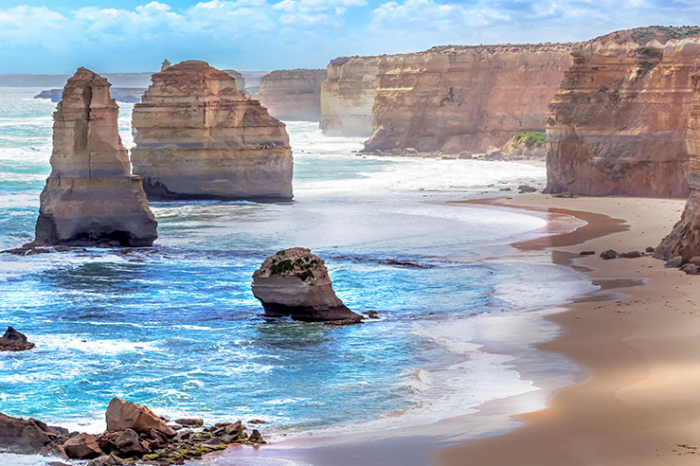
(176, 327)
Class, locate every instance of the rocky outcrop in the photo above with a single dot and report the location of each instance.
(13, 340)
(28, 437)
(129, 95)
(295, 283)
(684, 239)
(292, 94)
(347, 96)
(464, 99)
(198, 137)
(618, 124)
(91, 198)
(123, 415)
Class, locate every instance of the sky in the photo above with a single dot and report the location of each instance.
(58, 36)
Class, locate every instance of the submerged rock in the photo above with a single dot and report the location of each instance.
(295, 283)
(13, 340)
(91, 198)
(199, 137)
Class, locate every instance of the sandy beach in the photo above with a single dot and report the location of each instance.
(635, 340)
(639, 403)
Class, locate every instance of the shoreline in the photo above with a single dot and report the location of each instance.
(637, 403)
(489, 419)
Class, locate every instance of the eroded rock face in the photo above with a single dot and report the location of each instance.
(91, 198)
(122, 415)
(618, 124)
(26, 437)
(295, 283)
(292, 94)
(347, 96)
(464, 99)
(13, 340)
(198, 137)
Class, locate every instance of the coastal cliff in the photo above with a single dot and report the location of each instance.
(198, 137)
(292, 94)
(347, 96)
(618, 124)
(684, 239)
(464, 99)
(91, 198)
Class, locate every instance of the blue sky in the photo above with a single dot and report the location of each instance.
(57, 36)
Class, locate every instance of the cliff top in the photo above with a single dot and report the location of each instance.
(197, 76)
(644, 35)
(300, 71)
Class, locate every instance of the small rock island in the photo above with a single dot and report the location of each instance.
(295, 283)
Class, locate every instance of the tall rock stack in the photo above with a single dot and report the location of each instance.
(455, 99)
(347, 96)
(198, 137)
(292, 94)
(91, 198)
(684, 239)
(618, 123)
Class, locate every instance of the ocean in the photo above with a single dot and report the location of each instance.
(176, 327)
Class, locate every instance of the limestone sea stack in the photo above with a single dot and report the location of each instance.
(198, 137)
(292, 94)
(684, 239)
(295, 283)
(91, 198)
(454, 99)
(347, 96)
(618, 124)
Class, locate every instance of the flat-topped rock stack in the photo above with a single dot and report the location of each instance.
(198, 137)
(295, 283)
(91, 198)
(618, 124)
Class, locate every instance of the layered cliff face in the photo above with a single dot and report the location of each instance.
(91, 198)
(347, 96)
(684, 239)
(292, 94)
(464, 99)
(198, 137)
(618, 124)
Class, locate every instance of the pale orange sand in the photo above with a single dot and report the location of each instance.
(640, 404)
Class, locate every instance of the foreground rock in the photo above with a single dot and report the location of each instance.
(292, 94)
(12, 340)
(148, 439)
(295, 283)
(618, 124)
(91, 198)
(465, 99)
(198, 137)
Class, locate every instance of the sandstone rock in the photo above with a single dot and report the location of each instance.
(674, 262)
(464, 98)
(618, 123)
(82, 446)
(198, 137)
(122, 415)
(190, 422)
(292, 94)
(631, 255)
(106, 460)
(690, 269)
(165, 65)
(128, 443)
(295, 283)
(238, 78)
(609, 254)
(347, 96)
(13, 340)
(91, 198)
(256, 437)
(24, 437)
(526, 189)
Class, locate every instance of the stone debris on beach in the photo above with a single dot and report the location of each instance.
(523, 189)
(587, 253)
(134, 434)
(13, 340)
(609, 254)
(295, 283)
